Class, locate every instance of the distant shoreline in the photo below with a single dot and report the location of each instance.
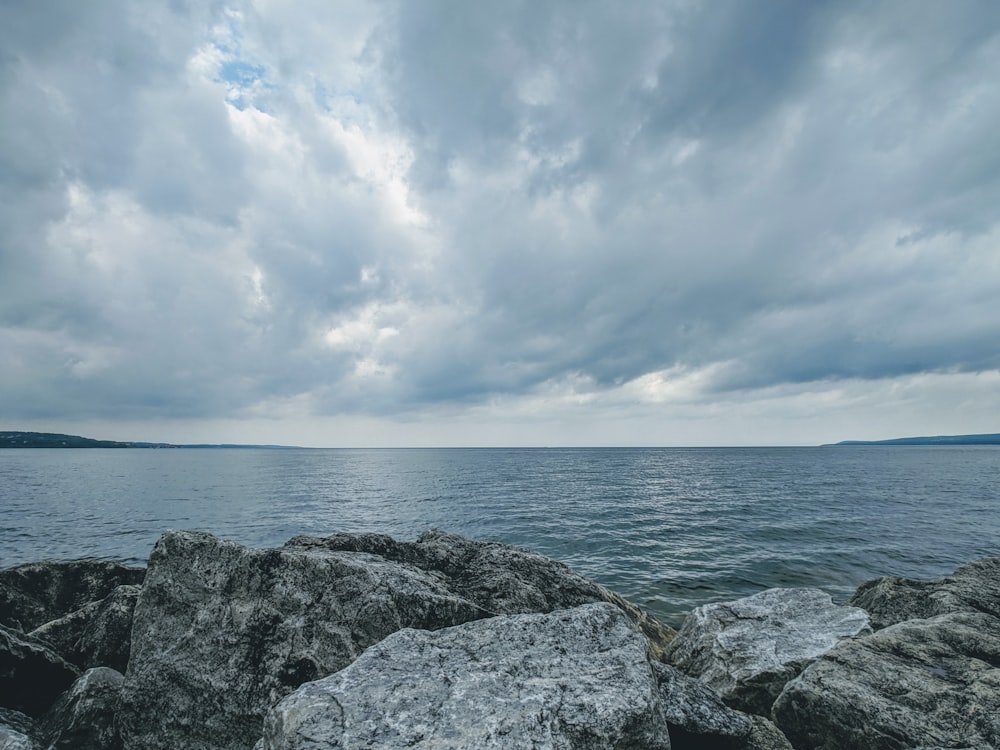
(986, 439)
(55, 440)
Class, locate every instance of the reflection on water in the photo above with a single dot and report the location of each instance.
(668, 528)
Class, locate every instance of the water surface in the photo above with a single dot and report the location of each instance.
(668, 528)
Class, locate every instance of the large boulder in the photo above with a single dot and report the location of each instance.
(32, 676)
(570, 679)
(974, 587)
(747, 650)
(84, 716)
(932, 682)
(34, 594)
(221, 631)
(499, 578)
(98, 634)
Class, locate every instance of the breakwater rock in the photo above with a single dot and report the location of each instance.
(360, 640)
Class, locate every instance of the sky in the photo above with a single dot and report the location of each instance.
(432, 223)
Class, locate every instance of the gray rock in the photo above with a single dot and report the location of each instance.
(932, 682)
(31, 675)
(698, 719)
(570, 679)
(17, 731)
(221, 632)
(98, 634)
(84, 716)
(499, 578)
(974, 587)
(34, 594)
(748, 649)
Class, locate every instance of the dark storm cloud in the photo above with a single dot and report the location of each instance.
(815, 130)
(238, 209)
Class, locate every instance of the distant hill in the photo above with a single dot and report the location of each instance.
(991, 439)
(17, 439)
(53, 440)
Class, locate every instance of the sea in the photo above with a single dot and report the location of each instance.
(669, 529)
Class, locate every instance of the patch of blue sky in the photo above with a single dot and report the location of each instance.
(243, 79)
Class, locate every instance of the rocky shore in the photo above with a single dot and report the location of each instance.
(362, 641)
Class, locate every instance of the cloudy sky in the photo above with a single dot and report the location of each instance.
(516, 223)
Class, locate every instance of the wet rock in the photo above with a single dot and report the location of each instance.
(84, 716)
(747, 650)
(699, 720)
(17, 731)
(98, 634)
(974, 587)
(499, 578)
(570, 679)
(221, 632)
(930, 682)
(31, 675)
(34, 594)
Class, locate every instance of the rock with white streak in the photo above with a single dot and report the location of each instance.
(576, 678)
(748, 649)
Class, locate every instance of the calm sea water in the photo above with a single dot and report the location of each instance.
(668, 528)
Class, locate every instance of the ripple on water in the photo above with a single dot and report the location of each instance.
(668, 528)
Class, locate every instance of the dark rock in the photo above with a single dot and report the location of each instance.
(34, 594)
(570, 679)
(98, 634)
(747, 650)
(499, 578)
(699, 720)
(932, 682)
(84, 716)
(974, 587)
(31, 675)
(17, 731)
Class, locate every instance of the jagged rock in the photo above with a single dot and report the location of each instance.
(98, 634)
(17, 731)
(221, 632)
(698, 719)
(34, 594)
(84, 716)
(931, 682)
(31, 675)
(571, 679)
(974, 587)
(502, 579)
(746, 650)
